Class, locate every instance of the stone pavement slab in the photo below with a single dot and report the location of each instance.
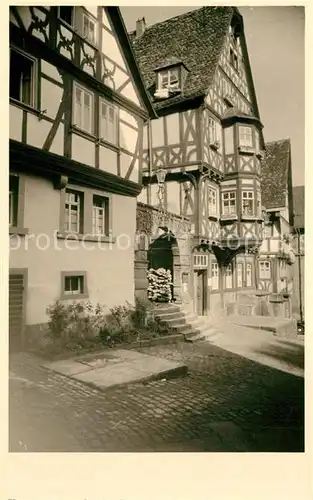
(118, 367)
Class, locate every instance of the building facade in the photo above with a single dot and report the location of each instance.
(77, 111)
(207, 143)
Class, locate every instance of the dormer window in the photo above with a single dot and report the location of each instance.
(169, 78)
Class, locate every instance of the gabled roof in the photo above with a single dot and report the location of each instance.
(275, 170)
(298, 206)
(195, 38)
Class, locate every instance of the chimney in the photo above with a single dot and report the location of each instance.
(140, 27)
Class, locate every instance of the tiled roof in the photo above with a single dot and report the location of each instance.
(195, 38)
(275, 167)
(298, 206)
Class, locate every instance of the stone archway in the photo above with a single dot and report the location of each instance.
(163, 253)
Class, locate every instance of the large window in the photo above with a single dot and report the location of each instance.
(108, 122)
(239, 274)
(229, 202)
(245, 137)
(169, 78)
(83, 108)
(247, 203)
(212, 195)
(248, 275)
(100, 216)
(229, 276)
(265, 270)
(73, 221)
(22, 78)
(215, 275)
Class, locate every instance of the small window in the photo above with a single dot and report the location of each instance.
(74, 285)
(248, 275)
(13, 200)
(22, 77)
(169, 78)
(229, 202)
(200, 261)
(108, 122)
(239, 274)
(247, 202)
(83, 109)
(265, 270)
(66, 13)
(229, 276)
(245, 137)
(73, 222)
(212, 201)
(89, 29)
(215, 275)
(100, 216)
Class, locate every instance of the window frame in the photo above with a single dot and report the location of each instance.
(245, 199)
(80, 211)
(228, 192)
(65, 295)
(263, 275)
(213, 210)
(243, 142)
(248, 264)
(86, 15)
(115, 140)
(215, 278)
(240, 265)
(84, 91)
(33, 79)
(105, 209)
(231, 276)
(167, 72)
(234, 59)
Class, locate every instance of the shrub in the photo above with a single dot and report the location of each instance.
(160, 284)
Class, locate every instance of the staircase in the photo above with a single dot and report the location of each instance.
(186, 322)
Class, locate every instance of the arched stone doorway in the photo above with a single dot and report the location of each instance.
(163, 253)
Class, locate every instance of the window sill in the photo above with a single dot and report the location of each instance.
(26, 107)
(246, 150)
(229, 217)
(249, 217)
(74, 296)
(86, 237)
(21, 231)
(82, 133)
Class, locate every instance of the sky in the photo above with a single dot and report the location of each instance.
(275, 42)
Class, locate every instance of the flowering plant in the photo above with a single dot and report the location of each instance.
(160, 283)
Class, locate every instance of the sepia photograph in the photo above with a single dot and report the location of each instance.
(156, 229)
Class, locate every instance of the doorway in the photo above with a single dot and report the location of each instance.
(200, 292)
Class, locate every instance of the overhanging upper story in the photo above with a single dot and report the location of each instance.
(196, 69)
(76, 93)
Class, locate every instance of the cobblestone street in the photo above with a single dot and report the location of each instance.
(226, 403)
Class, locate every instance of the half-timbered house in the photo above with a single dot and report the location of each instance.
(208, 141)
(77, 109)
(276, 257)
